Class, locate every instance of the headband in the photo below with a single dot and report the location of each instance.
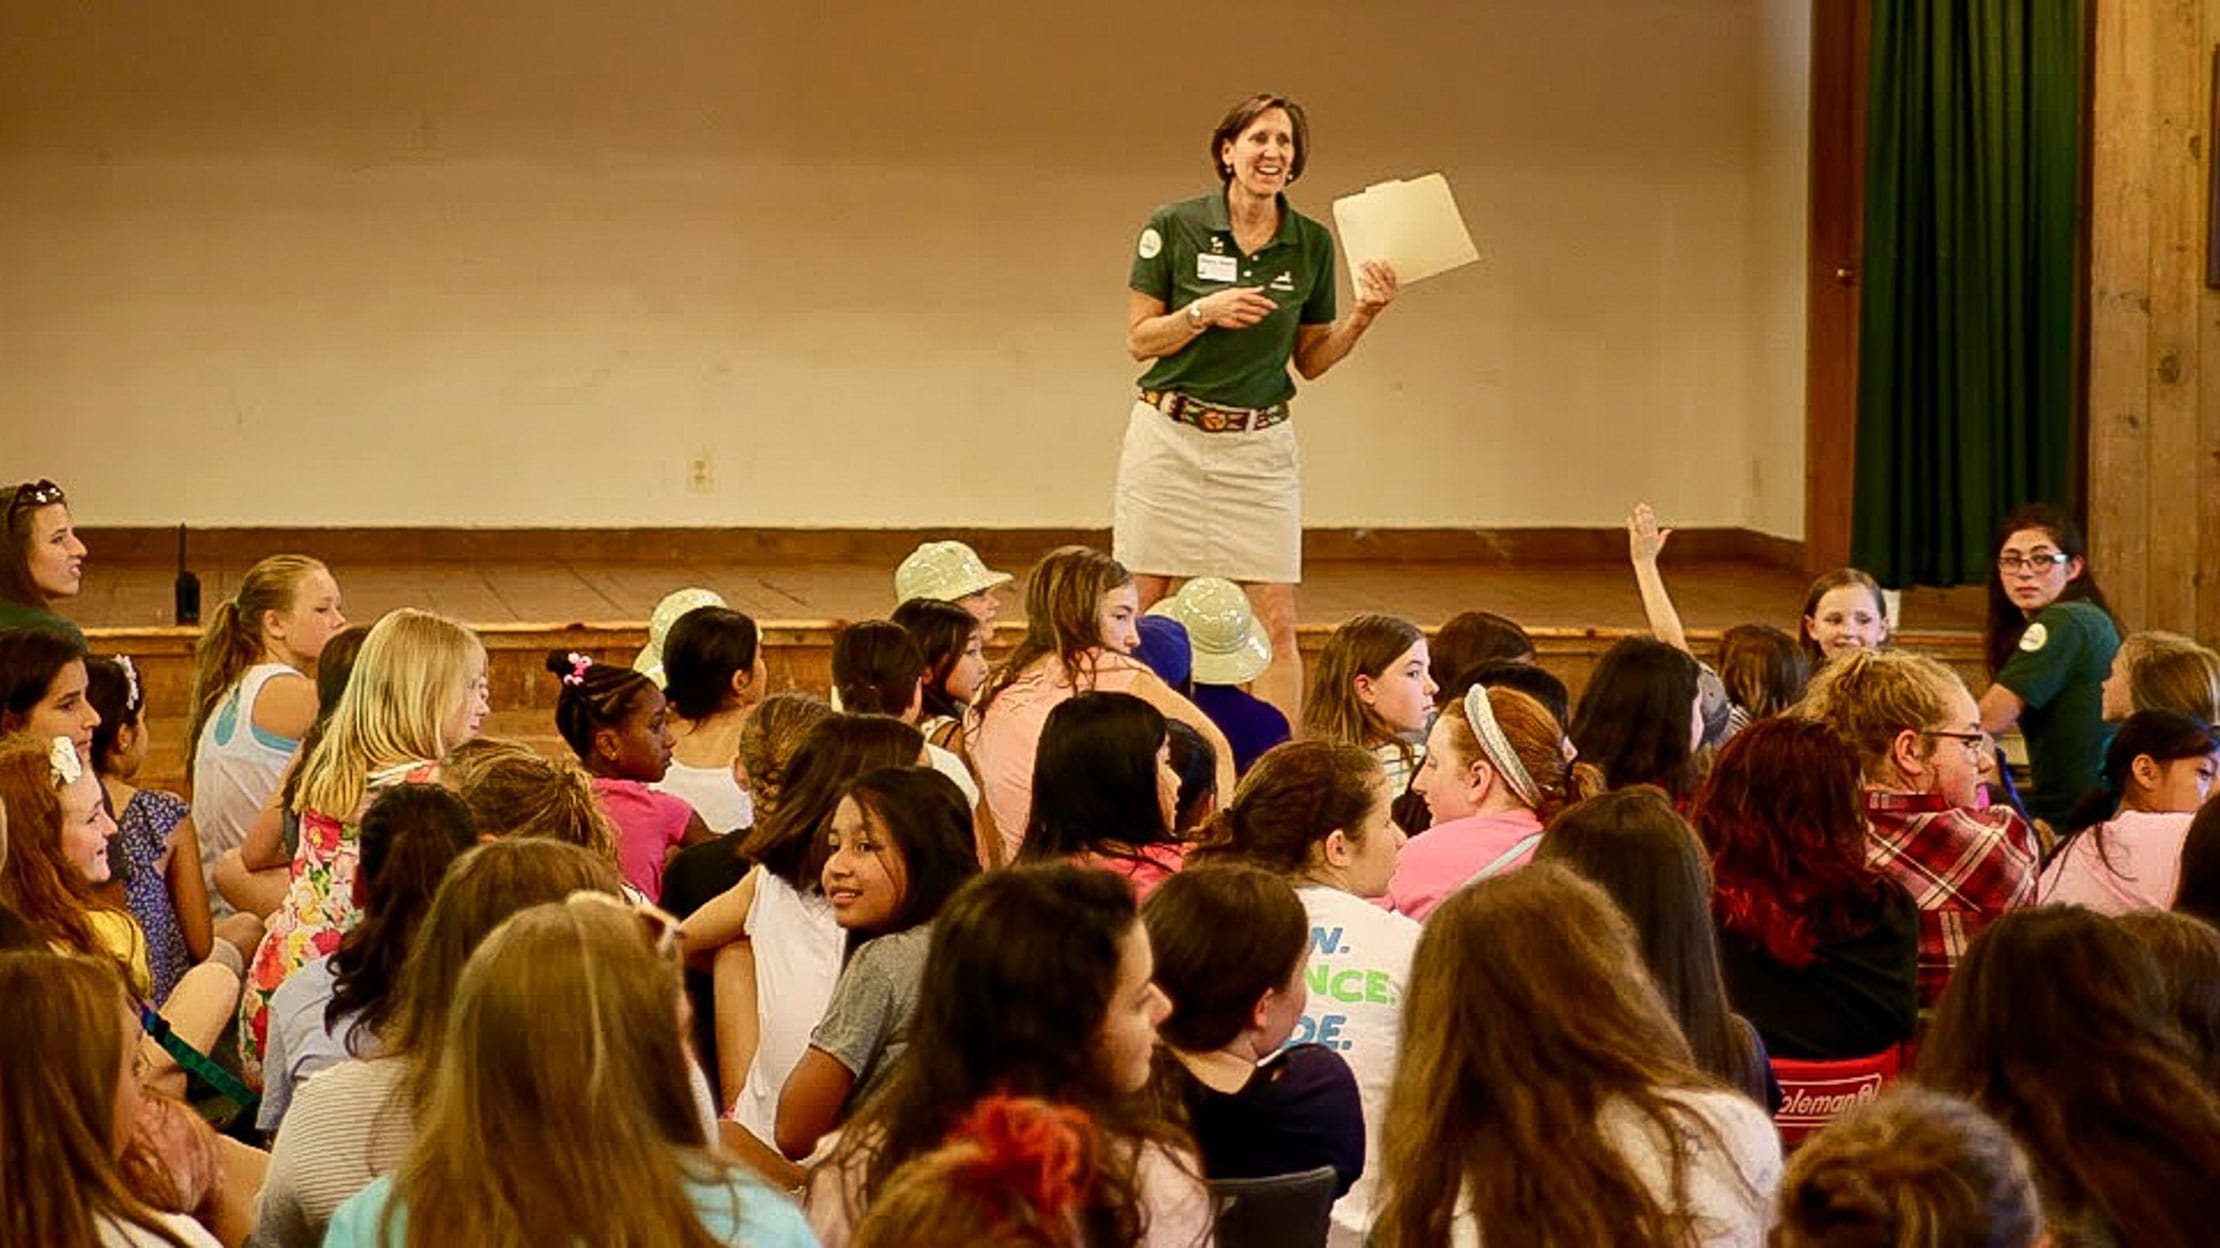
(62, 759)
(1498, 747)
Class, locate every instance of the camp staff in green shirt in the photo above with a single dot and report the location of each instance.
(41, 560)
(1226, 290)
(2051, 640)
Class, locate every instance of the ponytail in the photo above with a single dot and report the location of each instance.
(232, 640)
(1294, 797)
(2161, 736)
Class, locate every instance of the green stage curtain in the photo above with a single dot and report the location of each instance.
(1967, 340)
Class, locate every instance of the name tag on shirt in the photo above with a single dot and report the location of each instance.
(1209, 268)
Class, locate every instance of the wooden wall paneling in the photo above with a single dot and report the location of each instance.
(2122, 113)
(2180, 65)
(2207, 509)
(1841, 32)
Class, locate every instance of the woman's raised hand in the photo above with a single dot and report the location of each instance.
(1376, 285)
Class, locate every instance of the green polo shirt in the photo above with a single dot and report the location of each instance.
(1187, 251)
(2059, 672)
(15, 615)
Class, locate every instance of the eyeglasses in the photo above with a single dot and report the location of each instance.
(1979, 744)
(2040, 561)
(660, 926)
(37, 494)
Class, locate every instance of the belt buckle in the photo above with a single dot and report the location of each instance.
(1212, 420)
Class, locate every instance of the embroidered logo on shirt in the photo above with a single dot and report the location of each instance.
(1151, 243)
(2034, 638)
(1283, 282)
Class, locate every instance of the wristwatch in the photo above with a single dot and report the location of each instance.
(1194, 315)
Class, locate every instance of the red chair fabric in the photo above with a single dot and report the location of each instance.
(1814, 1093)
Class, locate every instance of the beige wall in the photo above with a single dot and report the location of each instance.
(517, 263)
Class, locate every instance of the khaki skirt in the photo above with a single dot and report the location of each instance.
(1190, 503)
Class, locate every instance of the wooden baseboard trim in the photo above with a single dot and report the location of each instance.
(1012, 549)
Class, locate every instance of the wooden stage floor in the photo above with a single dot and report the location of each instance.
(1711, 595)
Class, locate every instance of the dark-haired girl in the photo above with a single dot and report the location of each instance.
(2050, 642)
(1063, 958)
(42, 687)
(1820, 950)
(2056, 1024)
(899, 844)
(42, 561)
(334, 1007)
(953, 642)
(154, 830)
(1232, 944)
(1639, 719)
(2157, 773)
(1104, 792)
(713, 675)
(619, 725)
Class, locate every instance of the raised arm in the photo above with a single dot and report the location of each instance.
(1645, 541)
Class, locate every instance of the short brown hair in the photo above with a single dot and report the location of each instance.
(1243, 115)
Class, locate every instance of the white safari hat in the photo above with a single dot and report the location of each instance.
(676, 603)
(944, 572)
(1231, 647)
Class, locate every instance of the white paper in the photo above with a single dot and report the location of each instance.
(1413, 224)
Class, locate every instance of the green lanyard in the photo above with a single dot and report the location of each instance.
(195, 1062)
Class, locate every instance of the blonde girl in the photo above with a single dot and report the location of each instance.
(1374, 688)
(1544, 1093)
(418, 689)
(2158, 671)
(68, 1105)
(254, 693)
(572, 1125)
(1081, 610)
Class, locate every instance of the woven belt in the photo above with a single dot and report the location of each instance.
(1210, 419)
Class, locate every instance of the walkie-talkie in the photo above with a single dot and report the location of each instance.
(188, 586)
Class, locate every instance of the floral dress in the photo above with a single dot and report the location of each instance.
(148, 822)
(318, 910)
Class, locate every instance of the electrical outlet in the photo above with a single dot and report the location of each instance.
(701, 473)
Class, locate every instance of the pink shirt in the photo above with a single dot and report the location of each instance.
(1005, 739)
(649, 824)
(1152, 865)
(1445, 857)
(2143, 851)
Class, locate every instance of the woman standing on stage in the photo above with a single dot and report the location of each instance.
(1226, 289)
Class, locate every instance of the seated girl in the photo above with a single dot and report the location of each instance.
(1820, 950)
(2050, 643)
(55, 856)
(1014, 1173)
(898, 846)
(1063, 955)
(42, 562)
(356, 1120)
(162, 881)
(951, 572)
(69, 1102)
(334, 1008)
(618, 724)
(1230, 648)
(1470, 638)
(1844, 612)
(2056, 1024)
(1640, 718)
(1080, 607)
(2187, 953)
(1374, 689)
(255, 876)
(2156, 671)
(713, 675)
(42, 687)
(1645, 855)
(2127, 854)
(529, 1100)
(1495, 771)
(1318, 815)
(953, 643)
(879, 669)
(1914, 1167)
(1104, 792)
(772, 940)
(1762, 669)
(1544, 1093)
(1231, 946)
(418, 689)
(254, 693)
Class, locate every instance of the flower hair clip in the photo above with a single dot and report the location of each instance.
(131, 682)
(68, 768)
(580, 664)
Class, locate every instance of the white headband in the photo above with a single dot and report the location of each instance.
(1498, 747)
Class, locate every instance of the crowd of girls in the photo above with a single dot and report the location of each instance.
(1042, 951)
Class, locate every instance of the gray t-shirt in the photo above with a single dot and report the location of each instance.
(868, 1023)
